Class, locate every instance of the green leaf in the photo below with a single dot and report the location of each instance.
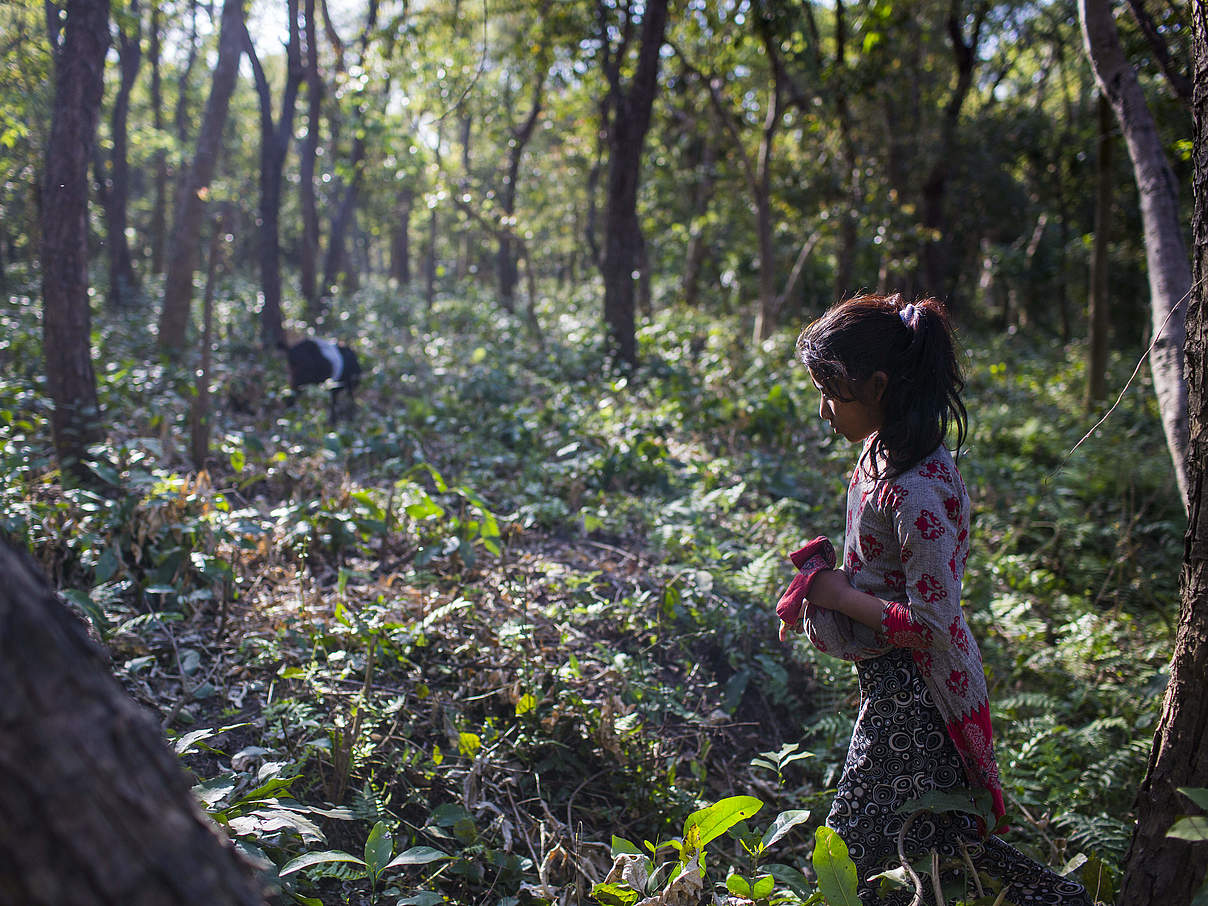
(835, 870)
(622, 846)
(710, 823)
(527, 703)
(614, 895)
(418, 855)
(308, 859)
(378, 849)
(784, 823)
(739, 886)
(1197, 795)
(762, 887)
(1194, 829)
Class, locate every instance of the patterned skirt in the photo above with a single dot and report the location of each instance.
(900, 750)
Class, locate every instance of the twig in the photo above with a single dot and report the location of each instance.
(914, 878)
(935, 878)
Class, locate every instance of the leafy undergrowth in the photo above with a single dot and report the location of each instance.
(519, 604)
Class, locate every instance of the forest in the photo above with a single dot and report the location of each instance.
(490, 618)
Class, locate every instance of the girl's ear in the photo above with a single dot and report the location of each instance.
(875, 386)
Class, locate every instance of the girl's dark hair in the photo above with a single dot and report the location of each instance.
(913, 345)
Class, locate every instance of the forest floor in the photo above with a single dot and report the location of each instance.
(517, 604)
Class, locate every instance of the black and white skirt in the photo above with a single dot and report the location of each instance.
(900, 751)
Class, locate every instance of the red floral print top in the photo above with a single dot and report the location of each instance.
(906, 543)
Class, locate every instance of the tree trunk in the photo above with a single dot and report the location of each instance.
(122, 282)
(159, 203)
(400, 241)
(1159, 869)
(308, 152)
(199, 415)
(629, 122)
(274, 145)
(96, 809)
(186, 226)
(936, 252)
(1165, 253)
(66, 317)
(506, 264)
(336, 260)
(1096, 365)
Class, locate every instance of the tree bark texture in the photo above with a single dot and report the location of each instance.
(94, 807)
(627, 128)
(159, 202)
(1165, 253)
(307, 153)
(66, 317)
(507, 268)
(190, 200)
(1159, 869)
(1098, 316)
(123, 284)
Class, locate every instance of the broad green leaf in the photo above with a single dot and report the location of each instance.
(739, 886)
(784, 823)
(422, 898)
(378, 849)
(308, 859)
(614, 895)
(527, 703)
(418, 855)
(620, 845)
(1197, 795)
(835, 870)
(710, 823)
(762, 887)
(1194, 829)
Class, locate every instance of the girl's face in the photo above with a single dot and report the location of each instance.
(856, 419)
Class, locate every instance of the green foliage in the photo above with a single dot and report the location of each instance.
(520, 578)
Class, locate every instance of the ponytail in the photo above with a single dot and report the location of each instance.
(913, 344)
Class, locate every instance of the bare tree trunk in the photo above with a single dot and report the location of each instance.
(66, 318)
(628, 123)
(1099, 316)
(1159, 869)
(274, 145)
(186, 226)
(1165, 254)
(400, 242)
(306, 167)
(506, 264)
(199, 415)
(159, 203)
(96, 809)
(122, 282)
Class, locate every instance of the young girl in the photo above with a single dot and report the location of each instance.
(889, 379)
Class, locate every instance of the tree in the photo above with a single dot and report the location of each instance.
(80, 39)
(194, 188)
(122, 282)
(1097, 315)
(1165, 253)
(274, 145)
(627, 120)
(1159, 869)
(95, 807)
(307, 154)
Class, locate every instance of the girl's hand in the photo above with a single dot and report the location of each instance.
(831, 590)
(786, 628)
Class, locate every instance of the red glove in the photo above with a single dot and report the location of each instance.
(818, 555)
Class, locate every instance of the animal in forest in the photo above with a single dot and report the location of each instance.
(316, 361)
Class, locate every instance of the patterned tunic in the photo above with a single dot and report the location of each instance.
(924, 721)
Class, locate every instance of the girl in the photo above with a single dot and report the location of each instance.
(889, 379)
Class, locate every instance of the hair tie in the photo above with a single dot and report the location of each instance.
(907, 315)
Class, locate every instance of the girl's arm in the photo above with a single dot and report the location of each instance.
(831, 590)
(931, 522)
